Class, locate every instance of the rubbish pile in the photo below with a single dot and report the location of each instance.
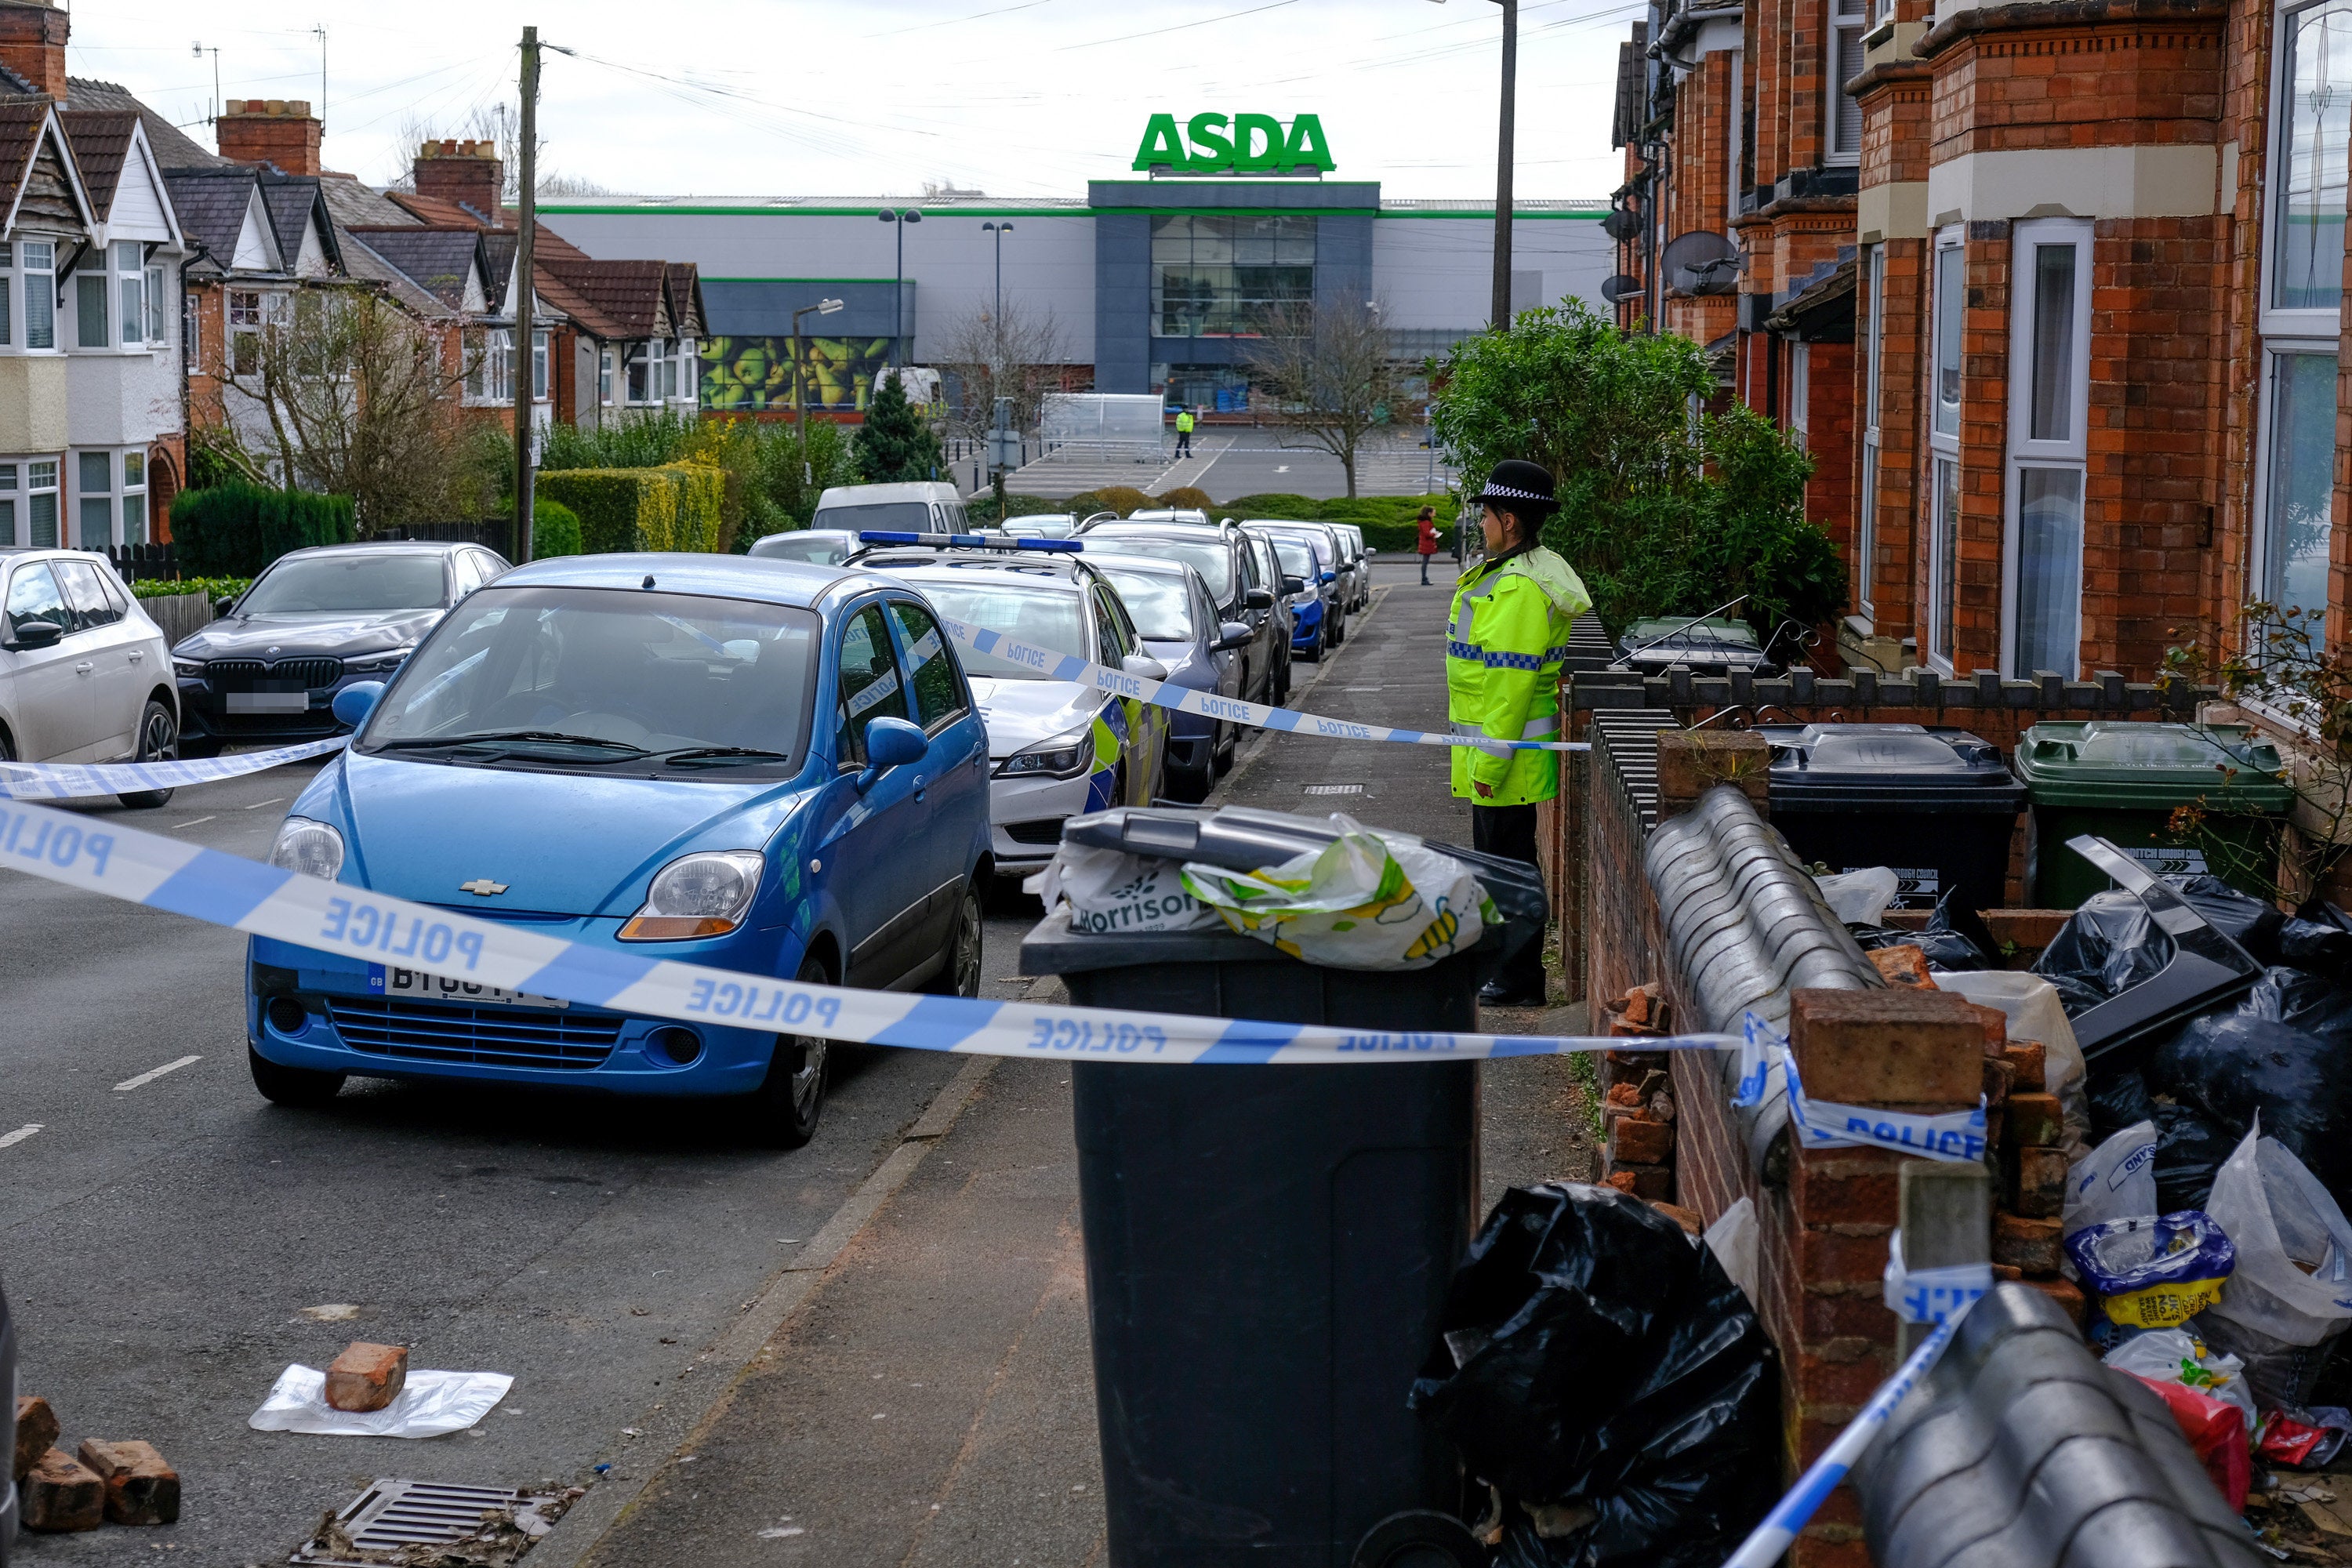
(103, 1482)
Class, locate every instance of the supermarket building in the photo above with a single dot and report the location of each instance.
(1151, 284)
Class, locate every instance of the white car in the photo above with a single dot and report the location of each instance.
(1057, 749)
(85, 674)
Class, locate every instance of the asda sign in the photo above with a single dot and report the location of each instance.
(1236, 144)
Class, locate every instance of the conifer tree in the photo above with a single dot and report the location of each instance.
(895, 443)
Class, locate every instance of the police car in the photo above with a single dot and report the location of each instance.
(1057, 748)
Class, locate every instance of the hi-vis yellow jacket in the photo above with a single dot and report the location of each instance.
(1504, 645)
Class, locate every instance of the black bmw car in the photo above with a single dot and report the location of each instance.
(266, 672)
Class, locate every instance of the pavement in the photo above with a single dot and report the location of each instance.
(1230, 464)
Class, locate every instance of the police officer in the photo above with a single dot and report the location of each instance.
(1505, 641)
(1184, 431)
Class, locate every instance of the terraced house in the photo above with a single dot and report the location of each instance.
(2053, 291)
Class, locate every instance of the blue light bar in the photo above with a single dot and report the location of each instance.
(970, 541)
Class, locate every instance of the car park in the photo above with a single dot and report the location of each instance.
(85, 674)
(313, 623)
(1177, 622)
(758, 765)
(919, 507)
(1229, 567)
(1327, 613)
(1058, 749)
(817, 546)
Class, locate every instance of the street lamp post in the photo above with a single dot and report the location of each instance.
(1501, 308)
(1000, 230)
(800, 407)
(901, 217)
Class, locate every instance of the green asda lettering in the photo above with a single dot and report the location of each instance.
(1239, 144)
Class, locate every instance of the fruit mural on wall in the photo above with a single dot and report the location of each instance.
(746, 374)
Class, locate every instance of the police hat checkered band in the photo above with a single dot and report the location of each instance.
(1507, 493)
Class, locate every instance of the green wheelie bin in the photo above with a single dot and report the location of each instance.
(2124, 782)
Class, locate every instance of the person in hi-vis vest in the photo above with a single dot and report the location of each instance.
(1503, 643)
(1184, 432)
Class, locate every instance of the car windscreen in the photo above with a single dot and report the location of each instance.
(602, 677)
(1212, 558)
(826, 550)
(357, 583)
(1297, 560)
(895, 516)
(1045, 617)
(1156, 602)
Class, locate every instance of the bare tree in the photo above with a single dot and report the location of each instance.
(364, 400)
(1017, 355)
(1327, 374)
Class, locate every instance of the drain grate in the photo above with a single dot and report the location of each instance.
(1335, 789)
(393, 1514)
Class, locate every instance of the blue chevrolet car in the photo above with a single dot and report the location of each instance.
(759, 765)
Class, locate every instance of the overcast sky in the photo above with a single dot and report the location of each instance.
(877, 97)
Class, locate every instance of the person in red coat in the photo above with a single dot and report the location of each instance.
(1427, 545)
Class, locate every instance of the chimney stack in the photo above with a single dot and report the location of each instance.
(468, 172)
(274, 130)
(33, 44)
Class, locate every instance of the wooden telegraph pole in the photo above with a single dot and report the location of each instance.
(524, 360)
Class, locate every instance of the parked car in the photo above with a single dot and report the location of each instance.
(1057, 749)
(1178, 624)
(1359, 556)
(917, 508)
(9, 1509)
(1190, 514)
(1271, 576)
(760, 765)
(1225, 563)
(1329, 611)
(817, 546)
(313, 623)
(1041, 526)
(85, 674)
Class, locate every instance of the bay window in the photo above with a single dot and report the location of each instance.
(690, 372)
(36, 266)
(89, 302)
(131, 291)
(640, 375)
(11, 499)
(2050, 329)
(94, 474)
(134, 498)
(2295, 479)
(1940, 612)
(243, 332)
(41, 503)
(155, 307)
(7, 295)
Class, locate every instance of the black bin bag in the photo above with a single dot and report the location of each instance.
(2285, 1051)
(1600, 1369)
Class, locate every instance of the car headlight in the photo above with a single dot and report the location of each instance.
(193, 667)
(312, 849)
(1063, 757)
(698, 894)
(377, 663)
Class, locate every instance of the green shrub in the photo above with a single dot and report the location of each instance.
(1271, 504)
(700, 520)
(210, 587)
(676, 507)
(641, 441)
(1184, 495)
(554, 529)
(236, 528)
(896, 444)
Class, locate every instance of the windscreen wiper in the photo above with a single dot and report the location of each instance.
(720, 756)
(493, 737)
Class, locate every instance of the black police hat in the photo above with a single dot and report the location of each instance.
(1519, 486)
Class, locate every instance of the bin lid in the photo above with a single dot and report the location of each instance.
(2121, 763)
(1709, 645)
(1901, 767)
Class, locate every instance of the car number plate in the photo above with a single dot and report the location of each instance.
(269, 701)
(383, 980)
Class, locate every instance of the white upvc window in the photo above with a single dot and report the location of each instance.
(538, 366)
(2049, 409)
(1801, 392)
(91, 285)
(1938, 614)
(244, 331)
(1848, 20)
(37, 272)
(1735, 121)
(1865, 510)
(156, 307)
(134, 498)
(94, 490)
(498, 366)
(130, 293)
(7, 302)
(690, 372)
(642, 382)
(41, 503)
(12, 504)
(604, 368)
(192, 331)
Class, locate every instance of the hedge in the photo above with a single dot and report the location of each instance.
(554, 529)
(674, 507)
(211, 588)
(237, 528)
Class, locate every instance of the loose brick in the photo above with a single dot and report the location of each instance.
(2028, 930)
(1634, 1142)
(367, 1376)
(2029, 1057)
(140, 1488)
(1687, 1218)
(1631, 1066)
(1893, 1048)
(2035, 1121)
(2037, 1181)
(1624, 1094)
(1999, 1076)
(59, 1493)
(2031, 1246)
(37, 1429)
(1995, 1024)
(1653, 1183)
(1905, 965)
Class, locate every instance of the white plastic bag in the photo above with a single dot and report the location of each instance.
(2031, 1005)
(1732, 1238)
(1859, 898)
(1367, 901)
(431, 1404)
(2114, 1181)
(1110, 892)
(2282, 1221)
(2173, 1355)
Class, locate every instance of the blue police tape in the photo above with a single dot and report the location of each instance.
(70, 781)
(1765, 1545)
(1957, 1136)
(1930, 1295)
(332, 917)
(1055, 665)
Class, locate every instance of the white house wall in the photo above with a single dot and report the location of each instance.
(139, 213)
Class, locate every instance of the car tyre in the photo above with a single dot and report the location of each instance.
(159, 740)
(1221, 751)
(961, 960)
(784, 1111)
(300, 1088)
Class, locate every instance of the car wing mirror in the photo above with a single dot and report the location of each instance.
(1294, 584)
(890, 743)
(355, 702)
(223, 606)
(36, 633)
(1232, 634)
(1330, 577)
(1144, 666)
(1258, 599)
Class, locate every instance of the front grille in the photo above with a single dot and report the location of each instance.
(492, 1036)
(1047, 831)
(280, 675)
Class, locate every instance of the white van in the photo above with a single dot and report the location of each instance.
(919, 508)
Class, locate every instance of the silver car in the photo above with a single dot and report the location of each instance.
(1358, 557)
(85, 674)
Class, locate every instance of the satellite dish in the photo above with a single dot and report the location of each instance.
(1623, 223)
(1700, 262)
(1620, 289)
